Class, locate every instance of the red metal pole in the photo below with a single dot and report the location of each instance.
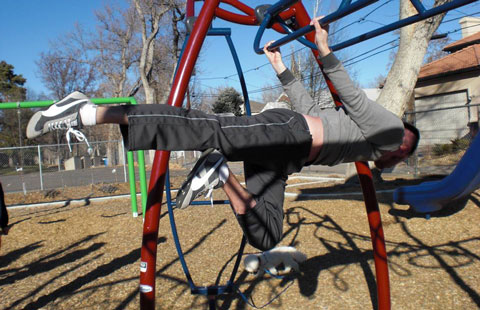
(159, 167)
(369, 194)
(376, 233)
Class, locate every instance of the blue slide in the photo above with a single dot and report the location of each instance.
(433, 196)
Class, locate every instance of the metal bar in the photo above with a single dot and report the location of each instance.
(376, 234)
(142, 175)
(47, 103)
(124, 156)
(344, 4)
(40, 166)
(176, 240)
(402, 23)
(190, 11)
(160, 162)
(303, 31)
(236, 18)
(280, 6)
(219, 32)
(418, 6)
(371, 204)
(131, 177)
(240, 74)
(350, 8)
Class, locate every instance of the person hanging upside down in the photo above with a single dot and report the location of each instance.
(272, 144)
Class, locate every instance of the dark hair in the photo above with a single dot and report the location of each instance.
(415, 131)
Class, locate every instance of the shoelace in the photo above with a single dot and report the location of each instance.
(209, 195)
(80, 136)
(59, 125)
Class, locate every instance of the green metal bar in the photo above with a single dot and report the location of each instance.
(47, 103)
(131, 180)
(141, 173)
(114, 100)
(25, 104)
(130, 157)
(143, 180)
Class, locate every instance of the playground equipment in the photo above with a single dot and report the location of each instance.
(275, 17)
(432, 196)
(267, 17)
(130, 156)
(215, 290)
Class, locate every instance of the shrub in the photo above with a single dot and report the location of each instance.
(455, 146)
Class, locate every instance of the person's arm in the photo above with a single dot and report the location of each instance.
(298, 95)
(378, 125)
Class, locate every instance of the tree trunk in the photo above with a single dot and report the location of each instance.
(414, 39)
(154, 15)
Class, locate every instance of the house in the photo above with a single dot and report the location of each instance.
(448, 90)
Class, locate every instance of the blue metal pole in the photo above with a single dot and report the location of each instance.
(240, 74)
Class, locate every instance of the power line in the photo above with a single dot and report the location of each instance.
(360, 20)
(347, 62)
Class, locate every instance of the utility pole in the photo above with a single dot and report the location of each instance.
(20, 135)
(19, 128)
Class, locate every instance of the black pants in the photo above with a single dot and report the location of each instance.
(3, 211)
(272, 145)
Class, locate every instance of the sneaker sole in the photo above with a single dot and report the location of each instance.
(185, 193)
(31, 132)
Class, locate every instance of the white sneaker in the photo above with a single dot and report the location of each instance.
(204, 177)
(64, 114)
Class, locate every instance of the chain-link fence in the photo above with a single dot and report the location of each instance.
(44, 167)
(446, 133)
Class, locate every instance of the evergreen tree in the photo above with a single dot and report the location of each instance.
(11, 85)
(12, 90)
(229, 101)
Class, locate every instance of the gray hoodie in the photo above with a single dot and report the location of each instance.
(360, 131)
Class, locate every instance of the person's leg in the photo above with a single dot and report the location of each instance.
(258, 139)
(112, 115)
(240, 199)
(262, 222)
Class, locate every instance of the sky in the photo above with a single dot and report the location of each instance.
(29, 26)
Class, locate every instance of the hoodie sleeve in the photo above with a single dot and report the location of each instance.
(378, 125)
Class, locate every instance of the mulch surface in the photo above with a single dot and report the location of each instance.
(86, 254)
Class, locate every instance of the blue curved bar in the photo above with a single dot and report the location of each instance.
(339, 13)
(299, 39)
(214, 290)
(346, 8)
(280, 6)
(240, 74)
(260, 31)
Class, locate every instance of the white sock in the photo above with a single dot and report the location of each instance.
(223, 173)
(88, 114)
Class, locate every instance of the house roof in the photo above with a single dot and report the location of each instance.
(467, 58)
(458, 45)
(256, 106)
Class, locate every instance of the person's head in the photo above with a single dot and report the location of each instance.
(408, 146)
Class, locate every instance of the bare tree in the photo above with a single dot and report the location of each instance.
(116, 48)
(62, 72)
(150, 14)
(177, 34)
(402, 77)
(271, 93)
